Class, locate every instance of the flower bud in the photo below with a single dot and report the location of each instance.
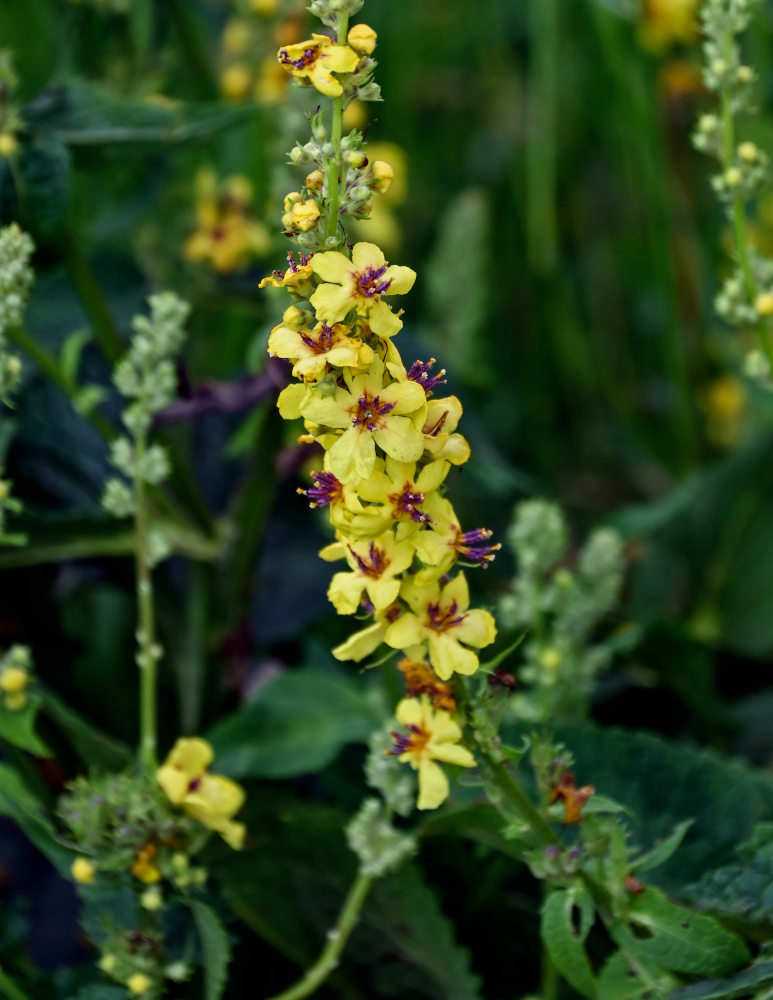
(763, 306)
(356, 158)
(13, 680)
(733, 177)
(83, 871)
(383, 175)
(304, 215)
(8, 144)
(315, 180)
(138, 983)
(362, 38)
(745, 74)
(748, 152)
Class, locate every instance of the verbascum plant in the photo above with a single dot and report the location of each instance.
(388, 441)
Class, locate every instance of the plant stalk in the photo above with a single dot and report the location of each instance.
(147, 650)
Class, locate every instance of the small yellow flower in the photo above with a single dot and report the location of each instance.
(440, 441)
(383, 175)
(143, 867)
(83, 871)
(316, 60)
(303, 216)
(297, 278)
(8, 144)
(151, 899)
(13, 680)
(209, 798)
(667, 22)
(432, 736)
(444, 542)
(138, 983)
(439, 619)
(265, 7)
(312, 350)
(376, 567)
(398, 494)
(362, 39)
(235, 82)
(227, 236)
(236, 36)
(359, 284)
(108, 963)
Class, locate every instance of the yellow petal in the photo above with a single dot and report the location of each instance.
(362, 643)
(191, 755)
(345, 591)
(433, 785)
(478, 628)
(365, 255)
(448, 657)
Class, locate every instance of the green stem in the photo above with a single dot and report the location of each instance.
(147, 650)
(93, 302)
(8, 988)
(337, 938)
(333, 179)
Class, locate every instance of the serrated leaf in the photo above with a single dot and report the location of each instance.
(18, 728)
(297, 725)
(85, 114)
(215, 947)
(94, 747)
(663, 849)
(743, 890)
(744, 983)
(678, 939)
(564, 941)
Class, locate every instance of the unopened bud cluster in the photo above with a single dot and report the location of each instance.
(147, 377)
(329, 10)
(15, 281)
(378, 845)
(559, 608)
(15, 676)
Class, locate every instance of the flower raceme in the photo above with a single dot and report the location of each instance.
(389, 440)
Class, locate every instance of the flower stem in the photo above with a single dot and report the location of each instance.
(337, 938)
(147, 650)
(333, 179)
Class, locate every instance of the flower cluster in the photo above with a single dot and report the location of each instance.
(388, 441)
(227, 236)
(248, 49)
(138, 834)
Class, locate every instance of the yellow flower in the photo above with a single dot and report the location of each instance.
(8, 144)
(236, 36)
(439, 618)
(13, 680)
(398, 494)
(367, 640)
(444, 541)
(383, 175)
(362, 39)
(666, 22)
(359, 284)
(313, 350)
(138, 983)
(316, 60)
(297, 277)
(83, 871)
(301, 215)
(209, 798)
(226, 236)
(235, 82)
(375, 567)
(143, 867)
(440, 441)
(432, 736)
(370, 414)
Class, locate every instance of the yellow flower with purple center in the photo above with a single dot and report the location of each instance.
(440, 441)
(444, 541)
(370, 414)
(341, 499)
(313, 350)
(431, 735)
(209, 798)
(375, 570)
(397, 494)
(316, 60)
(297, 277)
(439, 620)
(359, 284)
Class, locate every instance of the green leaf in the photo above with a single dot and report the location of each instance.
(564, 939)
(678, 939)
(100, 991)
(297, 725)
(19, 804)
(92, 745)
(215, 949)
(742, 890)
(70, 353)
(741, 984)
(619, 980)
(481, 823)
(663, 849)
(85, 114)
(60, 537)
(37, 194)
(88, 398)
(18, 728)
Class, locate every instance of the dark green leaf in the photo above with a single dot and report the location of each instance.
(37, 194)
(618, 980)
(681, 940)
(663, 849)
(64, 537)
(19, 804)
(564, 937)
(18, 728)
(744, 983)
(297, 725)
(215, 949)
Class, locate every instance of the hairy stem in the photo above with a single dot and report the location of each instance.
(147, 650)
(333, 179)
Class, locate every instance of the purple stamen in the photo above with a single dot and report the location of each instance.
(403, 743)
(473, 545)
(324, 341)
(368, 409)
(419, 372)
(309, 56)
(406, 504)
(326, 490)
(440, 619)
(377, 563)
(368, 283)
